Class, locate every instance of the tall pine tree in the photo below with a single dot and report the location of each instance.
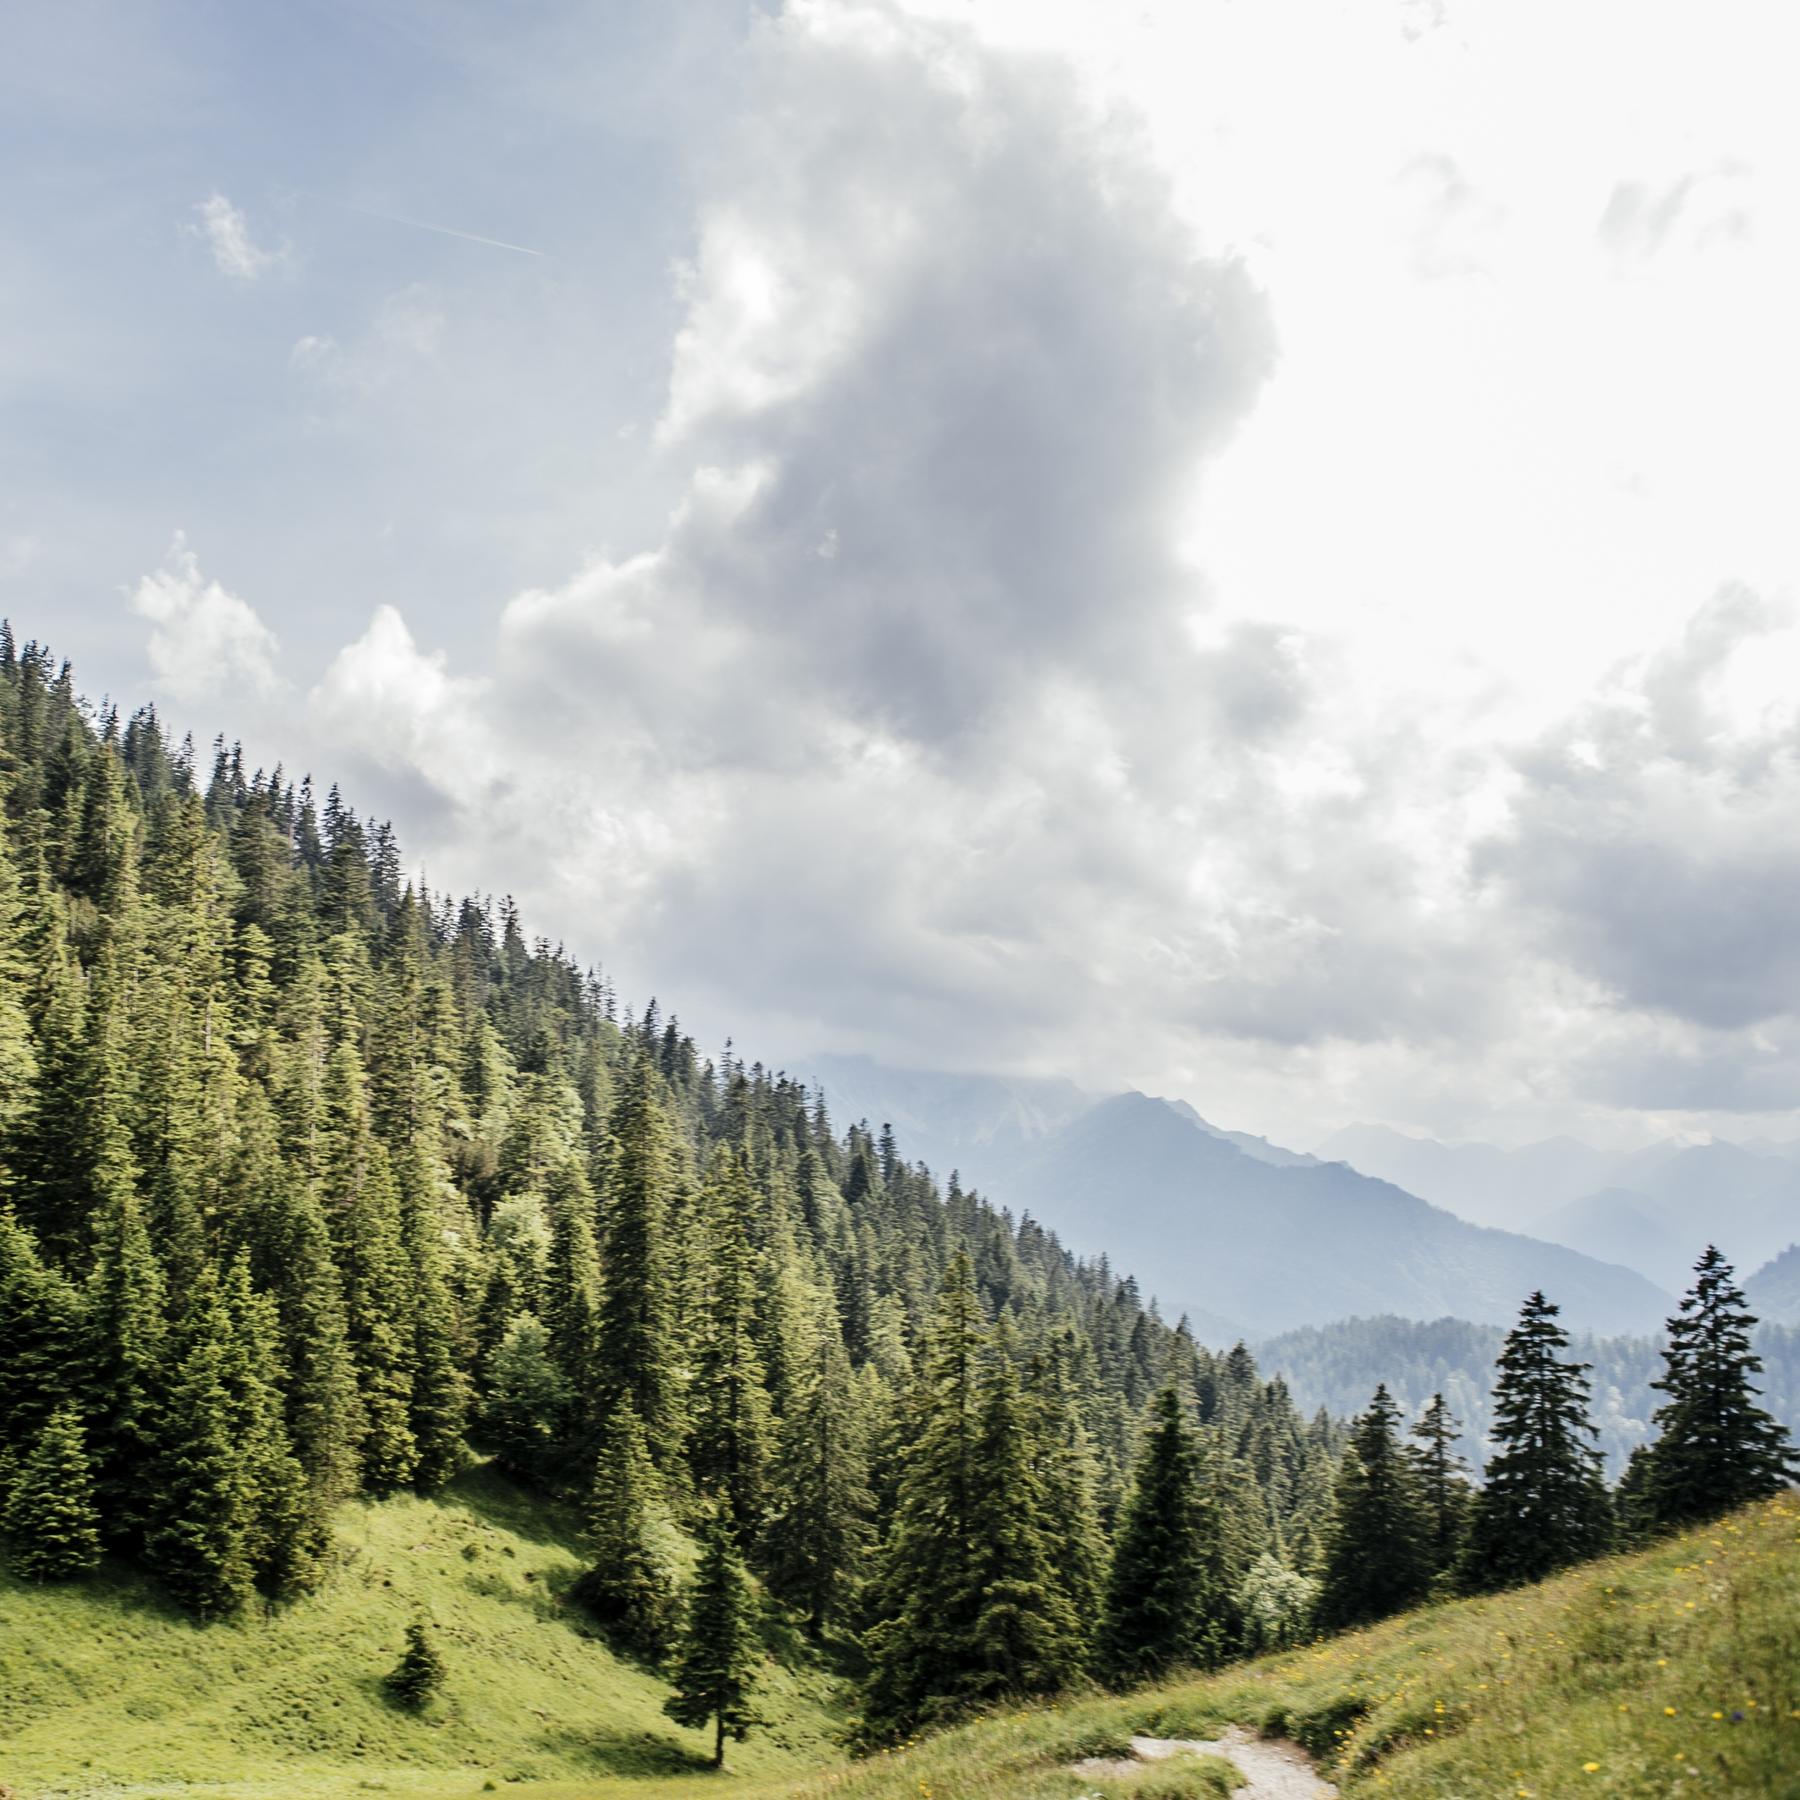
(1378, 1551)
(1717, 1448)
(1543, 1504)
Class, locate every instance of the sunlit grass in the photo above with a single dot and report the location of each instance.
(105, 1688)
(1675, 1672)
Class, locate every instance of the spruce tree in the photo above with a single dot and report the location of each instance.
(202, 1533)
(716, 1667)
(420, 1671)
(42, 1330)
(51, 1519)
(1717, 1448)
(730, 1433)
(1026, 1638)
(291, 1257)
(439, 1403)
(1543, 1504)
(1159, 1600)
(632, 1587)
(1443, 1483)
(1378, 1550)
(822, 1527)
(636, 1334)
(926, 1597)
(363, 1214)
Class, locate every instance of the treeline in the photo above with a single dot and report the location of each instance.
(316, 1183)
(1337, 1366)
(1408, 1523)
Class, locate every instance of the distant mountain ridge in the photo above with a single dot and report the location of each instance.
(1244, 1236)
(1652, 1209)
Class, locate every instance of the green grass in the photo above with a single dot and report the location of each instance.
(1674, 1672)
(106, 1690)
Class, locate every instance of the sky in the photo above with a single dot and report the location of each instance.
(1242, 551)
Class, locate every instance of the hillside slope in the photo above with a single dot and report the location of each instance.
(104, 1688)
(1671, 1673)
(1774, 1290)
(1205, 1224)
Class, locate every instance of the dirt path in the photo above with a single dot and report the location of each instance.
(1273, 1769)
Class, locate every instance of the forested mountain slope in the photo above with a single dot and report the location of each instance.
(313, 1180)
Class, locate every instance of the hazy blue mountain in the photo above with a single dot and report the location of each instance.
(1774, 1290)
(1624, 1226)
(1653, 1209)
(1209, 1228)
(1258, 1147)
(1481, 1182)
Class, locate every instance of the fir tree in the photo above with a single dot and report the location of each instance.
(926, 1597)
(1543, 1504)
(1378, 1552)
(1443, 1484)
(1159, 1599)
(419, 1673)
(1717, 1448)
(636, 1334)
(51, 1519)
(632, 1587)
(201, 1537)
(730, 1441)
(716, 1666)
(822, 1528)
(1026, 1637)
(42, 1331)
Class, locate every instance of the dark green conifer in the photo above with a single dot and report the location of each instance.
(730, 1435)
(420, 1671)
(633, 1586)
(1717, 1448)
(1026, 1638)
(201, 1537)
(636, 1336)
(925, 1598)
(1378, 1549)
(1543, 1504)
(51, 1520)
(362, 1212)
(822, 1528)
(127, 1367)
(1159, 1599)
(1443, 1483)
(716, 1667)
(42, 1332)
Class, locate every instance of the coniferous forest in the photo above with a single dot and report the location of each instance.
(317, 1184)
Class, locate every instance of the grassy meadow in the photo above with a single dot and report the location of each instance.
(1671, 1672)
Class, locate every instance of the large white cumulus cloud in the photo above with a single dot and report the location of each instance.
(919, 731)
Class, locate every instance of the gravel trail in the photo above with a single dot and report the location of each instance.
(1273, 1769)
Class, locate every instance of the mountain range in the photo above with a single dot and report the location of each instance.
(1243, 1236)
(1648, 1208)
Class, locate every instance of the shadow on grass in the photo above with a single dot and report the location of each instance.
(497, 1500)
(626, 1752)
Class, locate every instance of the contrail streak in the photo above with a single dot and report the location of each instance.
(468, 237)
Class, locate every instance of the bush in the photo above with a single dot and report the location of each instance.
(418, 1674)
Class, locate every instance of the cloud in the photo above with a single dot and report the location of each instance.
(225, 229)
(1654, 843)
(406, 334)
(203, 640)
(1702, 208)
